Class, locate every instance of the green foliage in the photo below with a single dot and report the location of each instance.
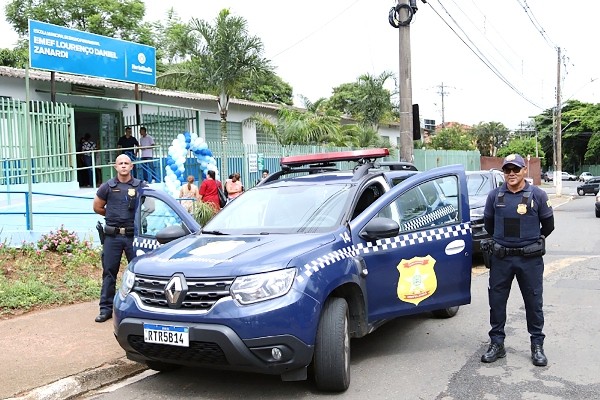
(17, 57)
(33, 277)
(203, 212)
(453, 138)
(114, 18)
(489, 137)
(366, 100)
(524, 147)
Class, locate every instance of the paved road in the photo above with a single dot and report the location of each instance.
(425, 358)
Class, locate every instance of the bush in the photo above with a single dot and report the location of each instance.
(62, 241)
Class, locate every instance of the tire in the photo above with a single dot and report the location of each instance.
(580, 192)
(597, 214)
(331, 361)
(161, 366)
(446, 312)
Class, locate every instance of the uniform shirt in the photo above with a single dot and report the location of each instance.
(121, 199)
(517, 217)
(125, 142)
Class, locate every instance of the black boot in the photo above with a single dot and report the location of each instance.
(538, 358)
(495, 351)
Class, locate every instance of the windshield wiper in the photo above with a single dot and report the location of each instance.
(214, 232)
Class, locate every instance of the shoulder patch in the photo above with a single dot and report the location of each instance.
(549, 203)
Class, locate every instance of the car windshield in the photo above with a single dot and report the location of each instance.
(283, 210)
(479, 184)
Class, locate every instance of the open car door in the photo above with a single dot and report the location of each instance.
(160, 218)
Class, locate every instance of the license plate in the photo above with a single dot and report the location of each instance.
(167, 334)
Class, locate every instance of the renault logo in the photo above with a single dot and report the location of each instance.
(176, 290)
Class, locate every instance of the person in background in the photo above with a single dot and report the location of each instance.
(88, 146)
(265, 173)
(234, 186)
(116, 200)
(130, 144)
(209, 190)
(189, 191)
(519, 216)
(146, 143)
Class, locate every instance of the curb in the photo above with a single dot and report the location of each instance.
(75, 385)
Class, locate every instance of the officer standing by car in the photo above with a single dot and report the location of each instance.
(519, 216)
(116, 201)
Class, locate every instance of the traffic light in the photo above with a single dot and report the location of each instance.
(416, 122)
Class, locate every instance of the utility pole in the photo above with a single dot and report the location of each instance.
(400, 17)
(443, 93)
(558, 179)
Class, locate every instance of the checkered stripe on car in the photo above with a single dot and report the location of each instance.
(428, 219)
(430, 235)
(145, 243)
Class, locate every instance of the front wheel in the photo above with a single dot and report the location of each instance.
(446, 312)
(580, 192)
(332, 347)
(597, 214)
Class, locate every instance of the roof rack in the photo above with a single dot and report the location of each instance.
(325, 162)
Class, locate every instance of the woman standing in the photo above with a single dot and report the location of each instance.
(189, 191)
(209, 192)
(234, 186)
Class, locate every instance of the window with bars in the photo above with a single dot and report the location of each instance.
(212, 131)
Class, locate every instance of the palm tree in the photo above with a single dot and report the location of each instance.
(225, 56)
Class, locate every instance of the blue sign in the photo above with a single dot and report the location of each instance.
(61, 49)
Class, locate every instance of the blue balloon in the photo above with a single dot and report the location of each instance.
(170, 161)
(174, 167)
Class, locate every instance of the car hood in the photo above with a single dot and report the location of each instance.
(217, 255)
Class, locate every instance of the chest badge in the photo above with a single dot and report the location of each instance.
(131, 192)
(522, 209)
(417, 279)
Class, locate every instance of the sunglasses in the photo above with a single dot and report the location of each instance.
(508, 170)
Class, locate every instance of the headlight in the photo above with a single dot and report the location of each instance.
(254, 288)
(127, 283)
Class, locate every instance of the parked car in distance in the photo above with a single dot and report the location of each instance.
(548, 176)
(592, 186)
(565, 176)
(585, 176)
(479, 184)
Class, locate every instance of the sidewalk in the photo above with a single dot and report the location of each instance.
(62, 352)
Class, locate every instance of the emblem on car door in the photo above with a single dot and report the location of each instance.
(176, 290)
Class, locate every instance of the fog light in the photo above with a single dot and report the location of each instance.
(276, 353)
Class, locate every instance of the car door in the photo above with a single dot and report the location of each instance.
(156, 211)
(427, 265)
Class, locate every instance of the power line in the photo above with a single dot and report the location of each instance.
(535, 23)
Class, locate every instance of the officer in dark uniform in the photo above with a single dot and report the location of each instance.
(519, 216)
(116, 201)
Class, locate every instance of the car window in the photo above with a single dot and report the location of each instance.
(479, 184)
(156, 215)
(283, 210)
(425, 205)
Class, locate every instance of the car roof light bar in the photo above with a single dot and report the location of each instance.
(360, 156)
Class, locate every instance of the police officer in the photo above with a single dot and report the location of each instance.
(519, 216)
(116, 201)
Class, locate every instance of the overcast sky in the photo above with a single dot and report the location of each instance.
(317, 45)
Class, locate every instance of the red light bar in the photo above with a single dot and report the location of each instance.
(355, 155)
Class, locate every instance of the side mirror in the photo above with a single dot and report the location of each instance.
(170, 233)
(379, 228)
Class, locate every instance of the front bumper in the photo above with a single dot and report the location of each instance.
(215, 346)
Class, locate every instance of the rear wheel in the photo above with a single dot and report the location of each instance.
(332, 347)
(580, 192)
(446, 312)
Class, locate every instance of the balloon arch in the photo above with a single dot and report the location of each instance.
(175, 174)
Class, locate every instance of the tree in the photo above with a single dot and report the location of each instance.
(489, 137)
(366, 100)
(115, 18)
(453, 138)
(17, 57)
(522, 146)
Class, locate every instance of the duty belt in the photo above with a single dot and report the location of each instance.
(113, 230)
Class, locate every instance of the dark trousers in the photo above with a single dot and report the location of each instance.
(87, 162)
(529, 272)
(112, 250)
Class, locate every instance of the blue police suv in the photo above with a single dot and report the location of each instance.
(284, 276)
